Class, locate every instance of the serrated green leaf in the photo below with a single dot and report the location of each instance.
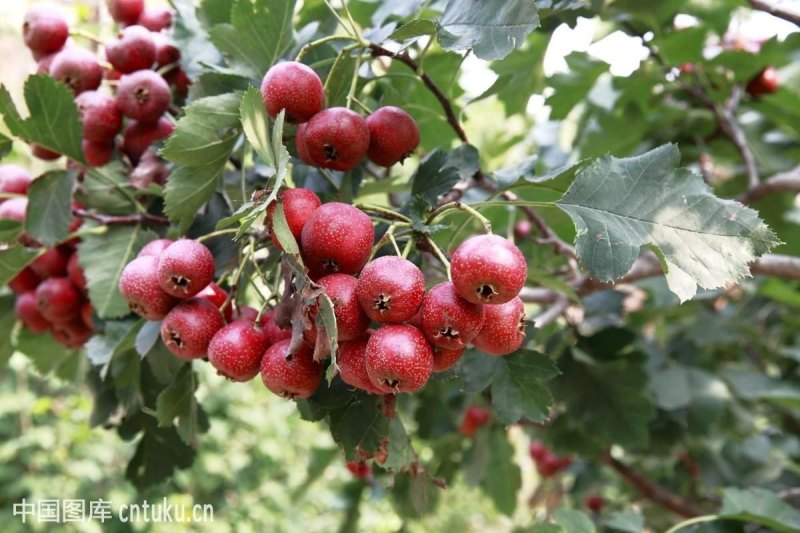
(189, 188)
(46, 354)
(626, 521)
(326, 321)
(620, 205)
(5, 146)
(518, 389)
(49, 212)
(255, 123)
(434, 177)
(10, 230)
(760, 506)
(178, 401)
(192, 39)
(8, 320)
(13, 260)
(572, 87)
(411, 31)
(574, 521)
(103, 257)
(491, 28)
(359, 425)
(107, 189)
(502, 479)
(54, 121)
(159, 452)
(281, 230)
(340, 78)
(147, 337)
(400, 452)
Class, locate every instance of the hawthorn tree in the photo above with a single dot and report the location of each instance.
(306, 192)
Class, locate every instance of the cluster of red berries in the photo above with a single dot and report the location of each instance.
(474, 418)
(548, 464)
(335, 138)
(137, 91)
(51, 291)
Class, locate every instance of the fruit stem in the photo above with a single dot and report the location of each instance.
(341, 21)
(439, 254)
(461, 206)
(86, 35)
(407, 249)
(388, 213)
(7, 195)
(350, 17)
(166, 68)
(351, 94)
(217, 233)
(261, 312)
(313, 44)
(361, 104)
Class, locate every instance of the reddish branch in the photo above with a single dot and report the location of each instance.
(775, 10)
(782, 182)
(653, 491)
(112, 220)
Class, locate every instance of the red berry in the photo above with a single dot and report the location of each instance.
(187, 330)
(474, 418)
(58, 299)
(448, 320)
(765, 82)
(351, 321)
(133, 49)
(537, 450)
(298, 204)
(290, 376)
(487, 269)
(44, 29)
(28, 313)
(14, 179)
(26, 280)
(300, 145)
(155, 248)
(43, 64)
(246, 313)
(40, 152)
(139, 286)
(139, 136)
(125, 11)
(236, 350)
(14, 209)
(97, 154)
(337, 138)
(72, 334)
(594, 502)
(166, 51)
(503, 331)
(336, 238)
(219, 297)
(444, 359)
(352, 364)
(143, 96)
(359, 469)
(399, 359)
(548, 466)
(87, 314)
(273, 332)
(393, 136)
(78, 69)
(522, 229)
(294, 87)
(391, 289)
(185, 268)
(156, 18)
(100, 116)
(51, 264)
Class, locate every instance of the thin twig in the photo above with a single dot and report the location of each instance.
(552, 313)
(111, 220)
(782, 182)
(775, 10)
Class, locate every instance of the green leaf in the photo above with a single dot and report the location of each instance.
(359, 425)
(8, 320)
(682, 46)
(517, 387)
(573, 521)
(326, 322)
(178, 401)
(47, 355)
(281, 230)
(519, 75)
(108, 189)
(627, 521)
(255, 123)
(760, 506)
(502, 479)
(103, 257)
(340, 78)
(573, 87)
(13, 260)
(410, 32)
(54, 121)
(49, 212)
(400, 453)
(159, 452)
(491, 28)
(259, 34)
(192, 39)
(620, 205)
(188, 189)
(10, 230)
(434, 176)
(5, 146)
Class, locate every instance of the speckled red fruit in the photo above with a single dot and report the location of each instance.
(125, 11)
(448, 320)
(294, 376)
(351, 321)
(143, 96)
(503, 331)
(390, 289)
(300, 145)
(166, 51)
(294, 87)
(594, 502)
(274, 333)
(139, 136)
(26, 280)
(72, 334)
(337, 238)
(189, 327)
(87, 314)
(185, 268)
(488, 269)
(245, 313)
(765, 82)
(97, 154)
(218, 297)
(393, 136)
(139, 286)
(40, 152)
(14, 209)
(537, 450)
(155, 248)
(522, 229)
(444, 359)
(398, 359)
(236, 350)
(352, 363)
(359, 469)
(298, 204)
(474, 418)
(133, 49)
(156, 18)
(58, 300)
(28, 312)
(337, 138)
(43, 64)
(180, 80)
(44, 29)
(100, 116)
(51, 264)
(14, 179)
(78, 69)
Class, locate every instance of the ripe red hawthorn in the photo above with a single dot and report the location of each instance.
(125, 11)
(522, 229)
(298, 204)
(139, 136)
(40, 152)
(337, 138)
(73, 333)
(336, 238)
(351, 321)
(236, 350)
(503, 331)
(537, 450)
(185, 268)
(294, 87)
(290, 376)
(78, 69)
(594, 502)
(474, 418)
(166, 53)
(359, 469)
(143, 96)
(140, 288)
(352, 364)
(444, 359)
(14, 179)
(97, 154)
(393, 136)
(391, 289)
(26, 280)
(300, 145)
(273, 332)
(448, 320)
(44, 30)
(51, 264)
(28, 313)
(58, 300)
(189, 327)
(399, 359)
(133, 49)
(217, 296)
(154, 248)
(488, 269)
(765, 82)
(155, 18)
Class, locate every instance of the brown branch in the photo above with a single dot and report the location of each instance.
(775, 10)
(652, 490)
(112, 220)
(552, 313)
(782, 182)
(734, 132)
